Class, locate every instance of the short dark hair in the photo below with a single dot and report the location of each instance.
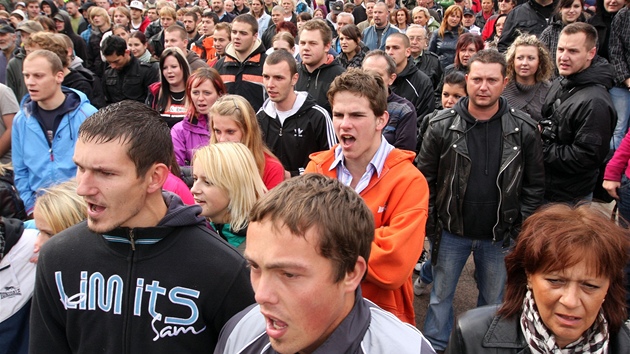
(113, 45)
(456, 78)
(581, 27)
(192, 13)
(279, 56)
(248, 19)
(403, 37)
(136, 125)
(364, 84)
(211, 14)
(305, 16)
(340, 217)
(489, 56)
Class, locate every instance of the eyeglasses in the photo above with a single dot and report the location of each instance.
(417, 38)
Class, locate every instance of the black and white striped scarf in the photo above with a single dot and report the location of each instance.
(541, 341)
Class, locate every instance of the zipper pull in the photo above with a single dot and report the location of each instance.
(52, 157)
(132, 239)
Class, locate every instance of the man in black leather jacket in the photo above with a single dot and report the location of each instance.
(483, 162)
(126, 78)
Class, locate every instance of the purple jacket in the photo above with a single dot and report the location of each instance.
(187, 137)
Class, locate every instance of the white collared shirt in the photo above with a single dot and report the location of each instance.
(375, 165)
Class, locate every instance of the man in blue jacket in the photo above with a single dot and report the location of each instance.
(374, 36)
(46, 127)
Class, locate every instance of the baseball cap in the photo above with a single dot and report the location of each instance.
(468, 11)
(336, 7)
(6, 28)
(58, 17)
(30, 26)
(20, 3)
(136, 5)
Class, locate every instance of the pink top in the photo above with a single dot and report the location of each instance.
(619, 162)
(273, 173)
(176, 185)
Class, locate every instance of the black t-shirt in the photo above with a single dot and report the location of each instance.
(50, 119)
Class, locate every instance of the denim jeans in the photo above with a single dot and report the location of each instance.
(623, 204)
(452, 256)
(621, 100)
(426, 271)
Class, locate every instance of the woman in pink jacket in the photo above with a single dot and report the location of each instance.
(203, 88)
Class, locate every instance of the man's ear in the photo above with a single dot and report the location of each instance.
(156, 177)
(591, 53)
(381, 121)
(353, 278)
(294, 79)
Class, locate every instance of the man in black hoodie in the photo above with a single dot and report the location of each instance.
(318, 68)
(531, 17)
(580, 116)
(483, 163)
(410, 82)
(143, 273)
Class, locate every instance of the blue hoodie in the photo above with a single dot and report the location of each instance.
(38, 164)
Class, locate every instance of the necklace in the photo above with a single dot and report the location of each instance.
(183, 94)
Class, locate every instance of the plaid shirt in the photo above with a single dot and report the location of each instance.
(619, 45)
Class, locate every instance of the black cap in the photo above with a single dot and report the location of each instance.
(336, 7)
(468, 11)
(6, 28)
(86, 6)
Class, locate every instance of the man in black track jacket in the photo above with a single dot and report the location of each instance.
(293, 125)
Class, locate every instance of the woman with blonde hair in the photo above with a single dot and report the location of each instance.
(226, 186)
(56, 209)
(422, 17)
(444, 40)
(528, 69)
(234, 120)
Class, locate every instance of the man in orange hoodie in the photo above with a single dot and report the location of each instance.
(394, 190)
(204, 46)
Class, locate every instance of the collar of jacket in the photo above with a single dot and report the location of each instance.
(505, 333)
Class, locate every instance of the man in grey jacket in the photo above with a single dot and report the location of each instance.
(308, 244)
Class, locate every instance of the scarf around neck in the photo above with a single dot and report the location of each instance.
(541, 341)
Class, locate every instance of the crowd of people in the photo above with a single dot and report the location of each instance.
(251, 176)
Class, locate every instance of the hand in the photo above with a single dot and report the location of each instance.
(611, 187)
